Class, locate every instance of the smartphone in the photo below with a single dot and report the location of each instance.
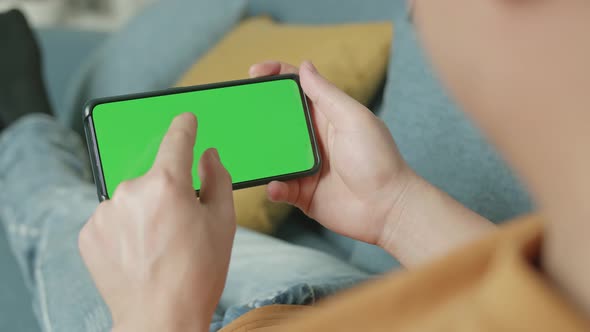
(261, 128)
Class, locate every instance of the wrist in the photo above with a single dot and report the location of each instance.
(400, 210)
(425, 223)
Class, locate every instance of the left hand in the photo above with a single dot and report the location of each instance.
(158, 255)
(363, 179)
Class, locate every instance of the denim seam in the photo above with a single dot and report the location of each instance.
(45, 320)
(7, 216)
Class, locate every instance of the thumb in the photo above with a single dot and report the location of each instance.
(216, 183)
(334, 103)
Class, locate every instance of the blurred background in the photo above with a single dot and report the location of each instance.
(103, 15)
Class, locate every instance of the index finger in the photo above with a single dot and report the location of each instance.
(176, 150)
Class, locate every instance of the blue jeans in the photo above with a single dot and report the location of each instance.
(46, 197)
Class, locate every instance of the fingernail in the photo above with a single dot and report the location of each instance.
(252, 71)
(187, 116)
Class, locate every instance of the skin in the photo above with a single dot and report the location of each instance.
(520, 70)
(158, 255)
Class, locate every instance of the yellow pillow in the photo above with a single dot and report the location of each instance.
(352, 56)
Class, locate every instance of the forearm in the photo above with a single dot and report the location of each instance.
(426, 223)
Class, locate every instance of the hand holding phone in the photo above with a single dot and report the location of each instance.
(362, 173)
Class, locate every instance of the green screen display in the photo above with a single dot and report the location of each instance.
(260, 130)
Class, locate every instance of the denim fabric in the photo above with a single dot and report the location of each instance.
(266, 270)
(46, 198)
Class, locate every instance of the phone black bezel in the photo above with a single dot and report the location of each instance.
(94, 152)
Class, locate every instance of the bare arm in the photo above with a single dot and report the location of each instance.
(427, 223)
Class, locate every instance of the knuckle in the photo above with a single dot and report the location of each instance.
(226, 176)
(179, 135)
(123, 189)
(288, 68)
(163, 180)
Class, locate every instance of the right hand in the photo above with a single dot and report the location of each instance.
(363, 177)
(159, 255)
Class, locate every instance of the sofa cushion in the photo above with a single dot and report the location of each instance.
(64, 50)
(326, 11)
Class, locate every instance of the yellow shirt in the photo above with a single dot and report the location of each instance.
(492, 285)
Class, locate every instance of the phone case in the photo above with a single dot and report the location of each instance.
(93, 146)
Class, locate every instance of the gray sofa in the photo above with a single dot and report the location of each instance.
(432, 134)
